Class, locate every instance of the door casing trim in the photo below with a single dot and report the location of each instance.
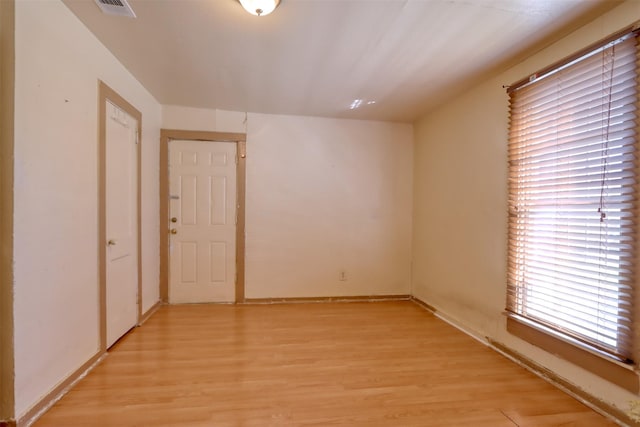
(105, 93)
(240, 139)
(7, 194)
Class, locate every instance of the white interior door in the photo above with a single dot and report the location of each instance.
(202, 212)
(121, 222)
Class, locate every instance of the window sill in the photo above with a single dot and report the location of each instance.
(617, 373)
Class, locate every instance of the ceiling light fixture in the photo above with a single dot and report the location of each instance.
(357, 103)
(259, 7)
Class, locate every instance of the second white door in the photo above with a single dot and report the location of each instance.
(202, 212)
(121, 222)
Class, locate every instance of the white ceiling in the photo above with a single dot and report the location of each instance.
(315, 57)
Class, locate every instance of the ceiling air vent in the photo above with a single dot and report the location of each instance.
(116, 7)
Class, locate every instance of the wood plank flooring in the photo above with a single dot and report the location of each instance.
(331, 364)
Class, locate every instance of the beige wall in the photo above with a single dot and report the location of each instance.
(323, 196)
(460, 205)
(189, 118)
(58, 64)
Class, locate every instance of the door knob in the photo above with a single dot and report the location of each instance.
(111, 242)
(173, 231)
(174, 219)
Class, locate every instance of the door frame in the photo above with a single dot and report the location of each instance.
(105, 93)
(7, 144)
(240, 139)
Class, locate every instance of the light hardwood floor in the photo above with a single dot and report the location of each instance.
(329, 364)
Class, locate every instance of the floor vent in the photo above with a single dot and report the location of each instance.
(116, 7)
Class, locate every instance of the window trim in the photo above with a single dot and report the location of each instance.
(618, 373)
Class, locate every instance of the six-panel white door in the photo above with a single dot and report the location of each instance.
(202, 199)
(121, 222)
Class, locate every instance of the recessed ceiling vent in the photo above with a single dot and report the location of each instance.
(116, 7)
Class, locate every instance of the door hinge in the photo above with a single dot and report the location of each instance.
(137, 137)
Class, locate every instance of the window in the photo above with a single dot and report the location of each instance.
(573, 186)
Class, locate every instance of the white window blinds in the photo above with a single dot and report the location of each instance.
(573, 198)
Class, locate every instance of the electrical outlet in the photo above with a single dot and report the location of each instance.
(343, 276)
(634, 410)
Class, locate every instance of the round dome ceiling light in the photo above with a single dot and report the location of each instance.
(259, 7)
